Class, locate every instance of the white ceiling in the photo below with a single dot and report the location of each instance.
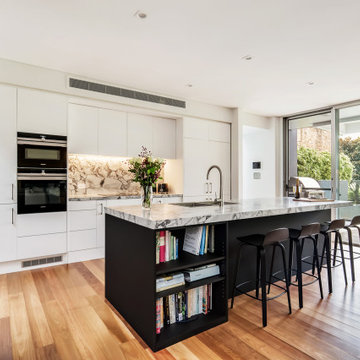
(201, 42)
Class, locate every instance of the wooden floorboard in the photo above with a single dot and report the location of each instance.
(61, 313)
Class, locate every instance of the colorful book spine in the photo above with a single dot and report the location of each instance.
(158, 315)
(162, 246)
(157, 248)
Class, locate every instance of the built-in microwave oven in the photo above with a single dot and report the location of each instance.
(42, 151)
(41, 191)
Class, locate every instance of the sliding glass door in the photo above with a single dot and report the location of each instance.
(309, 152)
(347, 143)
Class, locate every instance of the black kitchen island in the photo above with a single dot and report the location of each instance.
(130, 253)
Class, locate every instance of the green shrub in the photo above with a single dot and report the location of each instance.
(317, 164)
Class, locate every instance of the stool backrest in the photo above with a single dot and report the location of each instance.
(336, 224)
(310, 229)
(276, 235)
(355, 220)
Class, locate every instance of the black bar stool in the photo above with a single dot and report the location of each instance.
(354, 224)
(327, 229)
(298, 237)
(262, 242)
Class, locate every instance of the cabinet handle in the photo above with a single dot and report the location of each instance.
(12, 191)
(12, 216)
(102, 209)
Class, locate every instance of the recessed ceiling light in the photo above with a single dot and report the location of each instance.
(310, 83)
(189, 85)
(247, 57)
(140, 15)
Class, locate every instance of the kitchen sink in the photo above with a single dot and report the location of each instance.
(202, 203)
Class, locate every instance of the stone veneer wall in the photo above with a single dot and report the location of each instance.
(100, 175)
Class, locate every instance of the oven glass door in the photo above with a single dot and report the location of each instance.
(41, 156)
(37, 196)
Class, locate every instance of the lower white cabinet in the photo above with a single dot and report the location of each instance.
(7, 232)
(83, 239)
(100, 223)
(41, 245)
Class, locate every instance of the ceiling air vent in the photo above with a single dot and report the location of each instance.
(132, 94)
(42, 261)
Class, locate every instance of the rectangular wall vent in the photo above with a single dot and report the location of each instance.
(41, 261)
(132, 94)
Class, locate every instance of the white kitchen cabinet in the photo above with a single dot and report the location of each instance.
(140, 130)
(100, 223)
(112, 133)
(196, 164)
(82, 240)
(8, 232)
(42, 112)
(123, 202)
(41, 245)
(82, 220)
(8, 145)
(167, 200)
(164, 135)
(83, 129)
(206, 143)
(219, 131)
(41, 224)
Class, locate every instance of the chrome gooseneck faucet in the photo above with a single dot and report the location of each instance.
(221, 199)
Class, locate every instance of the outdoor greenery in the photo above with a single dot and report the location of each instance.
(351, 147)
(317, 164)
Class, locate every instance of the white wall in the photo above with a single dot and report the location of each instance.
(259, 145)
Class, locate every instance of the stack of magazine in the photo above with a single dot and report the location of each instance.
(195, 274)
(169, 281)
(199, 240)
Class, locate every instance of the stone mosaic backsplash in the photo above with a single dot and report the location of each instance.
(100, 175)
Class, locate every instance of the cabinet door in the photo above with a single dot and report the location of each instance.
(196, 128)
(219, 154)
(41, 112)
(164, 138)
(83, 129)
(219, 131)
(196, 163)
(112, 133)
(8, 147)
(100, 224)
(140, 130)
(8, 233)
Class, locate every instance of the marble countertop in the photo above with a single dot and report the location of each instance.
(164, 216)
(116, 196)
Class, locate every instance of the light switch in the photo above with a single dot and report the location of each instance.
(257, 175)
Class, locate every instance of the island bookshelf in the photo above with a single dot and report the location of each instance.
(130, 279)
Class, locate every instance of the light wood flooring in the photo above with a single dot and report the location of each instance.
(60, 313)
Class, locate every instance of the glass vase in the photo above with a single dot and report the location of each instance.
(146, 197)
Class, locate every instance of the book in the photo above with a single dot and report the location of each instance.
(158, 315)
(212, 239)
(202, 243)
(192, 239)
(202, 272)
(167, 246)
(157, 248)
(168, 282)
(172, 309)
(206, 240)
(162, 246)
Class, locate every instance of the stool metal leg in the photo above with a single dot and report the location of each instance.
(315, 241)
(351, 251)
(291, 254)
(342, 255)
(271, 268)
(299, 272)
(257, 272)
(287, 281)
(328, 260)
(263, 286)
(335, 247)
(235, 275)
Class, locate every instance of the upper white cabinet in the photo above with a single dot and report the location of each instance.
(156, 134)
(206, 143)
(8, 147)
(83, 129)
(112, 133)
(164, 135)
(140, 130)
(41, 112)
